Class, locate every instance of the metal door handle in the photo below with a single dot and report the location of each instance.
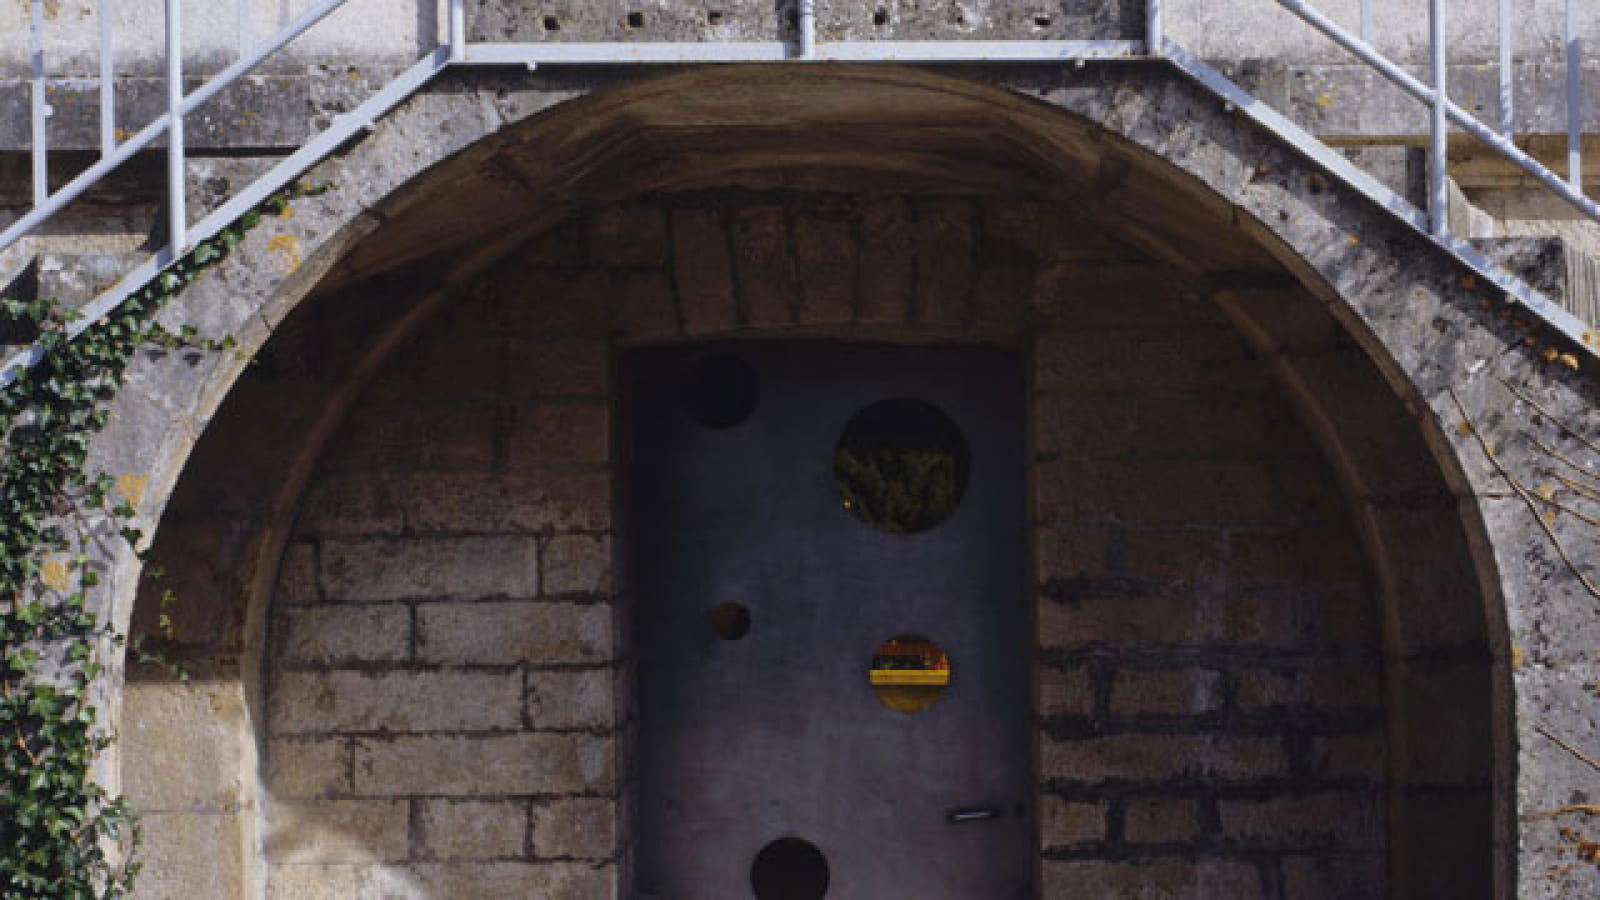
(971, 814)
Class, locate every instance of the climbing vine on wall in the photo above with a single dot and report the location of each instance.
(61, 834)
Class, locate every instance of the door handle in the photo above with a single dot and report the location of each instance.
(971, 814)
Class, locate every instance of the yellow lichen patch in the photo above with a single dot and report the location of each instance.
(1325, 100)
(54, 574)
(1463, 428)
(1517, 657)
(1570, 361)
(1546, 492)
(132, 487)
(284, 252)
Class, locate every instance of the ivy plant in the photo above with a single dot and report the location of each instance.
(62, 835)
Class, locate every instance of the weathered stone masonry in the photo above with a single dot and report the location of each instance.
(1270, 606)
(445, 663)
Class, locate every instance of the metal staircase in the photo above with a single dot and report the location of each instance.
(802, 49)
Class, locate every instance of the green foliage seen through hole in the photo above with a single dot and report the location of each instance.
(901, 466)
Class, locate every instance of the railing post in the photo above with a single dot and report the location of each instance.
(108, 93)
(177, 216)
(1574, 99)
(244, 27)
(1153, 36)
(1508, 119)
(458, 30)
(808, 28)
(1438, 196)
(1366, 20)
(40, 105)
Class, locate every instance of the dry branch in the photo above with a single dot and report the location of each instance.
(1527, 498)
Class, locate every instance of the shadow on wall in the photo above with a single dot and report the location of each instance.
(445, 676)
(444, 617)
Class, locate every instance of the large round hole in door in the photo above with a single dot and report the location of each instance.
(789, 869)
(901, 465)
(721, 390)
(909, 673)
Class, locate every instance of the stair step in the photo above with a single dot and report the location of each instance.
(75, 279)
(72, 280)
(1554, 267)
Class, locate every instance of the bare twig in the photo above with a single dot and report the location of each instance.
(1548, 415)
(1567, 746)
(1587, 492)
(23, 743)
(1590, 809)
(1547, 450)
(1527, 498)
(1551, 501)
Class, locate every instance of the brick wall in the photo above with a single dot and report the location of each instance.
(448, 677)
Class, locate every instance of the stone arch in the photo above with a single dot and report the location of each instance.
(1333, 316)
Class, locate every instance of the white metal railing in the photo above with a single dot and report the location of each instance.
(169, 123)
(1443, 110)
(456, 50)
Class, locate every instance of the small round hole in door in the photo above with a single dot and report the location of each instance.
(789, 869)
(909, 673)
(731, 621)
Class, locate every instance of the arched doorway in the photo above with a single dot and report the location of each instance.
(427, 624)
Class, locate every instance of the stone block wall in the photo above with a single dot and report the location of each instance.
(447, 684)
(1468, 692)
(443, 657)
(1211, 688)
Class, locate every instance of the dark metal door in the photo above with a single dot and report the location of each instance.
(770, 729)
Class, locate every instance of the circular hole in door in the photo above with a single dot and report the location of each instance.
(901, 465)
(790, 869)
(731, 621)
(909, 673)
(721, 390)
